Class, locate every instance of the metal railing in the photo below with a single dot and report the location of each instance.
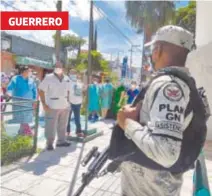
(15, 143)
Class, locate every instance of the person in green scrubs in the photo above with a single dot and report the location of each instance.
(119, 98)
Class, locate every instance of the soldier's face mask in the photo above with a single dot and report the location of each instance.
(152, 63)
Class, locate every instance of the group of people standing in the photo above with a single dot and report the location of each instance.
(106, 99)
(99, 98)
(61, 95)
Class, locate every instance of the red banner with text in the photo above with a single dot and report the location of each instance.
(34, 20)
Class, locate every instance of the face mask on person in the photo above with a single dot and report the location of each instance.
(58, 71)
(133, 87)
(73, 77)
(79, 80)
(29, 74)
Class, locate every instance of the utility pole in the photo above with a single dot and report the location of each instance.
(58, 34)
(79, 48)
(89, 71)
(131, 54)
(90, 43)
(118, 60)
(143, 54)
(131, 51)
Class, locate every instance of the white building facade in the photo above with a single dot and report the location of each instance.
(200, 60)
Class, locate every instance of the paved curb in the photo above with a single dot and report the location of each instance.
(86, 139)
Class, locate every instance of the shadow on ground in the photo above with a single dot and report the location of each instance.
(40, 164)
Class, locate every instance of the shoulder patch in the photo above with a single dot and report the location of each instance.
(173, 92)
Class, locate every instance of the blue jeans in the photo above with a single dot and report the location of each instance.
(75, 108)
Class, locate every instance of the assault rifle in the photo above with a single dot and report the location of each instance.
(116, 151)
(95, 167)
(100, 158)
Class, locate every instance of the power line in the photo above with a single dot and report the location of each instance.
(10, 5)
(120, 32)
(4, 2)
(112, 24)
(106, 21)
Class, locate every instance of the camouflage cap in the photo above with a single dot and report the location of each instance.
(175, 35)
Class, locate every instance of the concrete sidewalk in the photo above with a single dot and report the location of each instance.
(50, 173)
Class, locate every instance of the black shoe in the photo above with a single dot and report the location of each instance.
(65, 144)
(50, 147)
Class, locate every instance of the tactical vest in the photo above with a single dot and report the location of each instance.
(123, 149)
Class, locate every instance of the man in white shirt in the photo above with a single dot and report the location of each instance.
(54, 95)
(76, 97)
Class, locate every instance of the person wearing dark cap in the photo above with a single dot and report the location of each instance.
(54, 95)
(22, 86)
(168, 110)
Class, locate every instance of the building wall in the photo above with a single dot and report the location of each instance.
(200, 61)
(203, 23)
(7, 62)
(32, 49)
(25, 48)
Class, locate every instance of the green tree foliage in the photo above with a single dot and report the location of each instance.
(71, 41)
(114, 77)
(98, 64)
(148, 16)
(186, 17)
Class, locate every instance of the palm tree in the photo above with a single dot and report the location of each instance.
(148, 16)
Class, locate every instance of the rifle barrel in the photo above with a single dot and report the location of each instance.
(89, 155)
(80, 190)
(93, 169)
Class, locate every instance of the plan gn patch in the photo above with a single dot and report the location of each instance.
(173, 92)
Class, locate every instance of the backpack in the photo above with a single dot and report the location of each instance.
(123, 149)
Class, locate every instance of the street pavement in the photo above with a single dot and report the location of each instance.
(51, 173)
